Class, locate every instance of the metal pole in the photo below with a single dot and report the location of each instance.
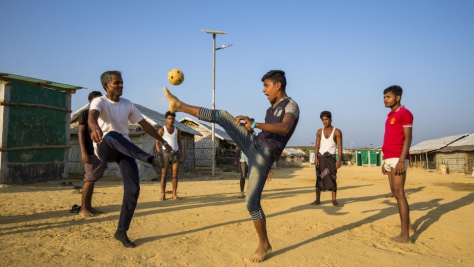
(213, 155)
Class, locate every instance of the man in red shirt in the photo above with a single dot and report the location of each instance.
(396, 144)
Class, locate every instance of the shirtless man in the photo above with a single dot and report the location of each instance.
(327, 140)
(262, 150)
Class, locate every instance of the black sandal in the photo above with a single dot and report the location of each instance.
(75, 209)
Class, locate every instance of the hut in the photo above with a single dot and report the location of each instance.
(203, 143)
(291, 157)
(34, 130)
(423, 154)
(140, 138)
(458, 156)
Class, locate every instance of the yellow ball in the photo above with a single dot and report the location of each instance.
(175, 77)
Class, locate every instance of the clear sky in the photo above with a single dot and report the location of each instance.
(338, 56)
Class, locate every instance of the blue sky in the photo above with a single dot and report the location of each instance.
(338, 56)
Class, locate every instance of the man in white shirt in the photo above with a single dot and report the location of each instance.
(108, 121)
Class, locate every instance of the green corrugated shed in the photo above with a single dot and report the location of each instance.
(34, 130)
(368, 157)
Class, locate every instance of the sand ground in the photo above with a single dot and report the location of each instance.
(210, 226)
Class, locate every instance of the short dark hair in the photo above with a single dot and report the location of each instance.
(395, 89)
(276, 76)
(169, 113)
(325, 114)
(106, 77)
(93, 95)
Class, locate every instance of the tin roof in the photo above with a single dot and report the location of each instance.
(43, 83)
(434, 144)
(219, 133)
(464, 144)
(155, 118)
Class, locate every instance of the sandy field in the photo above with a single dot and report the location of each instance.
(210, 226)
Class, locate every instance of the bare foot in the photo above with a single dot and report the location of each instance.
(94, 211)
(85, 213)
(259, 255)
(175, 104)
(163, 197)
(316, 202)
(175, 197)
(410, 230)
(401, 239)
(336, 204)
(242, 195)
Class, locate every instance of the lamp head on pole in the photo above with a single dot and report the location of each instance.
(214, 32)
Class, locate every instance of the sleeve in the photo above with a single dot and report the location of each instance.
(134, 116)
(292, 108)
(83, 117)
(407, 119)
(96, 104)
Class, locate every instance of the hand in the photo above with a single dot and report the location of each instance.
(384, 171)
(338, 164)
(96, 135)
(247, 122)
(168, 148)
(316, 161)
(235, 163)
(85, 158)
(400, 168)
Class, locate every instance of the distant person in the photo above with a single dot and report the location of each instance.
(242, 161)
(172, 135)
(93, 166)
(328, 139)
(262, 150)
(396, 144)
(109, 116)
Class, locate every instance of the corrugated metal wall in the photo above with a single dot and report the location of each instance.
(454, 161)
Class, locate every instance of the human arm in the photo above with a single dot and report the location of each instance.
(180, 145)
(338, 136)
(96, 132)
(82, 143)
(279, 128)
(316, 147)
(237, 156)
(157, 143)
(400, 167)
(151, 131)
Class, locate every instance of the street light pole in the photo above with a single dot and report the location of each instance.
(213, 129)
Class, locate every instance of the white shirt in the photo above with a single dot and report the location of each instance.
(114, 116)
(327, 144)
(172, 139)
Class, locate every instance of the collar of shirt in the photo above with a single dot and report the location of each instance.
(398, 109)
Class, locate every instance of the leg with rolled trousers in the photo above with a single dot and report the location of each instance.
(260, 163)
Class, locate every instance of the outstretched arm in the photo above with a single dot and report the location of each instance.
(151, 131)
(280, 128)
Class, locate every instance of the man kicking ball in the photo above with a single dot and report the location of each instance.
(262, 150)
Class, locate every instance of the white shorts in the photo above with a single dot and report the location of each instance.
(392, 162)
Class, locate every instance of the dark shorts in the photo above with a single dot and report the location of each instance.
(171, 158)
(95, 169)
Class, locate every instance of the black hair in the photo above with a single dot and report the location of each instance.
(106, 77)
(395, 89)
(325, 114)
(169, 113)
(93, 95)
(276, 76)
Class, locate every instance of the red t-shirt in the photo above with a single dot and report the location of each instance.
(394, 137)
